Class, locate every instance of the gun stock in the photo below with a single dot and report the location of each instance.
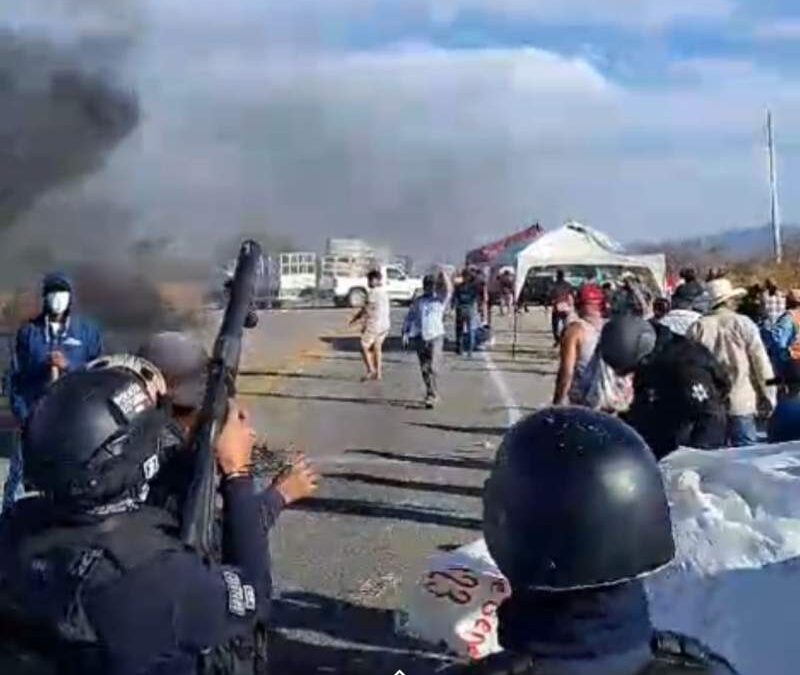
(197, 527)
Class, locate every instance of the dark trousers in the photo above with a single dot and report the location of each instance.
(430, 357)
(665, 433)
(558, 322)
(465, 330)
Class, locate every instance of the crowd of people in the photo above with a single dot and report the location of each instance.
(94, 577)
(466, 295)
(712, 366)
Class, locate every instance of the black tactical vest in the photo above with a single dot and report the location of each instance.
(56, 636)
(673, 654)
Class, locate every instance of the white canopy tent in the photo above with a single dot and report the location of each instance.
(575, 245)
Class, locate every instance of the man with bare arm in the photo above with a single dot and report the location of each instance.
(377, 320)
(578, 344)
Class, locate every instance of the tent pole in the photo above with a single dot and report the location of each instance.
(516, 326)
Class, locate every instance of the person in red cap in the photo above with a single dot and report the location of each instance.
(578, 344)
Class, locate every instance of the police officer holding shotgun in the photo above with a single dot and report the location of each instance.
(93, 577)
(93, 580)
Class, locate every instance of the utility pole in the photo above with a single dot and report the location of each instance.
(775, 214)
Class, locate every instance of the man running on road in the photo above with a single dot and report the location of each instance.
(377, 320)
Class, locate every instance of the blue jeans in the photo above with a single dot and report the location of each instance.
(14, 489)
(465, 330)
(742, 430)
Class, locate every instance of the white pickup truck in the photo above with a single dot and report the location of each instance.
(352, 291)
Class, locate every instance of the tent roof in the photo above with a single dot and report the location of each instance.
(489, 252)
(576, 244)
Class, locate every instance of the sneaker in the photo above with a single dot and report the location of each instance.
(430, 402)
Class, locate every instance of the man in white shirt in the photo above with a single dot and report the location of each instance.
(376, 315)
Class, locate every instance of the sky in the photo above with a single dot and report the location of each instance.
(434, 125)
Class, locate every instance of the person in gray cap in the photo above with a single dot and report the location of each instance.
(183, 361)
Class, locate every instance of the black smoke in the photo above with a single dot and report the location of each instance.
(60, 116)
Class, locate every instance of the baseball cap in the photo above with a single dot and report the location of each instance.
(590, 295)
(183, 360)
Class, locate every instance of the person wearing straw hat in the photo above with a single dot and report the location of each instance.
(736, 341)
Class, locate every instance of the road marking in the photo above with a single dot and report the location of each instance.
(512, 407)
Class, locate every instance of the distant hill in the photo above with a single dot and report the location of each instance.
(729, 246)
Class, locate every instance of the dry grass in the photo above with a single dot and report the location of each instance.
(786, 275)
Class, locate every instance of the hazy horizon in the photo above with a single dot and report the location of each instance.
(427, 126)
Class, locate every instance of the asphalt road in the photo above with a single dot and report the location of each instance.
(400, 482)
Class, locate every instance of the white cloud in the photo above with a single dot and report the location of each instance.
(430, 149)
(782, 30)
(627, 13)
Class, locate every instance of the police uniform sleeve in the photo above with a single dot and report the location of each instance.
(170, 611)
(272, 504)
(244, 540)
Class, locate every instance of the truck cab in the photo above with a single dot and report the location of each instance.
(351, 291)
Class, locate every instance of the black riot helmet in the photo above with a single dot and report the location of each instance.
(99, 436)
(575, 500)
(626, 339)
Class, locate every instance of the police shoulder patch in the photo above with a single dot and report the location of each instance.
(236, 593)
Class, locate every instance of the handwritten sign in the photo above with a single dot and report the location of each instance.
(456, 601)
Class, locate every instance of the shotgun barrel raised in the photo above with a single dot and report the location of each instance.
(197, 527)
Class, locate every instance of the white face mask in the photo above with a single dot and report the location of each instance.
(57, 302)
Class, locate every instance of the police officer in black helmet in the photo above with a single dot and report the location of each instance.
(575, 515)
(93, 580)
(680, 389)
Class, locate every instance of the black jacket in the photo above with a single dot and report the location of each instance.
(121, 595)
(680, 397)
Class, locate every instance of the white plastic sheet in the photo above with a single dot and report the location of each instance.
(735, 583)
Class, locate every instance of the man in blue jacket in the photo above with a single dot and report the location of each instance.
(57, 341)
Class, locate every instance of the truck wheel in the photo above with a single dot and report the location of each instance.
(357, 297)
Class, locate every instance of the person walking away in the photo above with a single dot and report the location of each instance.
(632, 297)
(784, 425)
(773, 302)
(481, 281)
(578, 344)
(95, 581)
(661, 307)
(506, 286)
(465, 300)
(680, 316)
(783, 338)
(376, 318)
(52, 344)
(752, 305)
(424, 324)
(736, 342)
(562, 305)
(575, 516)
(680, 390)
(690, 290)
